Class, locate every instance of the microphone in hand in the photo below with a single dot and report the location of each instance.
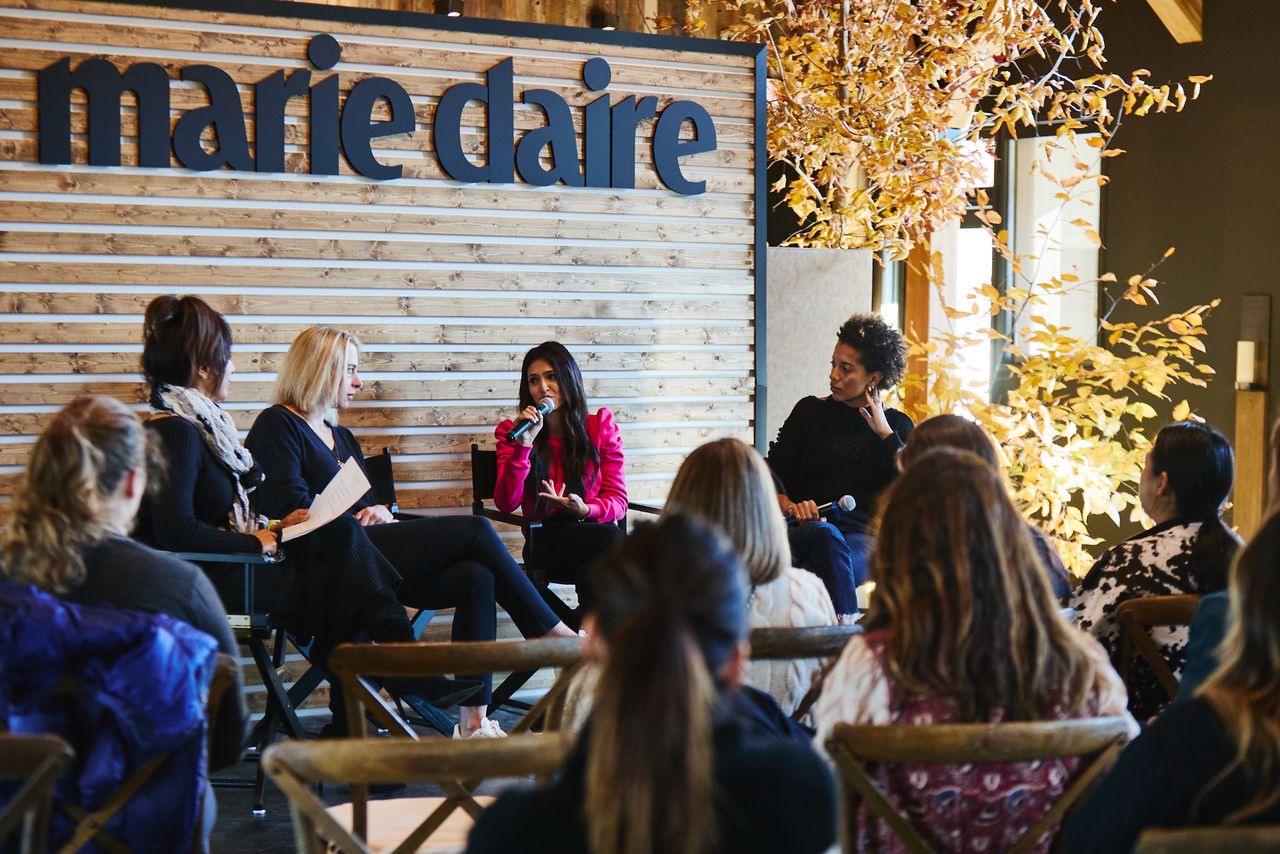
(845, 503)
(545, 408)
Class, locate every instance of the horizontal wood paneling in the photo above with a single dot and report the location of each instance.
(447, 284)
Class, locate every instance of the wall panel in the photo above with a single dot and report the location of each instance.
(446, 283)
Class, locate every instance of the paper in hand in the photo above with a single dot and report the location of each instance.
(343, 491)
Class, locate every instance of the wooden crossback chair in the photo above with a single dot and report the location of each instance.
(355, 663)
(798, 643)
(484, 478)
(1242, 839)
(854, 747)
(296, 766)
(1135, 617)
(37, 760)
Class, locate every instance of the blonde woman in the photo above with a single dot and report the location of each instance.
(1213, 759)
(440, 562)
(726, 484)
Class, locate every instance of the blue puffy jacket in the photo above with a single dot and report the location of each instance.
(141, 681)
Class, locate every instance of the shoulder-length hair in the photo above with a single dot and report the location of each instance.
(311, 376)
(63, 506)
(1245, 689)
(181, 335)
(949, 431)
(726, 484)
(960, 585)
(581, 457)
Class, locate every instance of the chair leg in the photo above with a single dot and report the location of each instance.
(513, 683)
(279, 702)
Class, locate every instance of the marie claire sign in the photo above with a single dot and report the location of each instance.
(608, 138)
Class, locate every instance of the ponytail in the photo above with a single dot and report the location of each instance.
(1214, 548)
(649, 774)
(62, 507)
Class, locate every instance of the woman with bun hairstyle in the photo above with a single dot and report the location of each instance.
(1186, 478)
(952, 431)
(672, 760)
(565, 471)
(209, 501)
(429, 562)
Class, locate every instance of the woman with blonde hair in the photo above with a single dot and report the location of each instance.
(726, 484)
(963, 628)
(672, 760)
(431, 562)
(1213, 759)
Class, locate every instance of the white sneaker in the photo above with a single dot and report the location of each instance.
(488, 729)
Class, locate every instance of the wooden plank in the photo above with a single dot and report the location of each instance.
(44, 362)
(1249, 493)
(31, 423)
(256, 332)
(340, 248)
(426, 168)
(423, 305)
(227, 185)
(267, 220)
(253, 391)
(159, 16)
(915, 300)
(1184, 19)
(439, 470)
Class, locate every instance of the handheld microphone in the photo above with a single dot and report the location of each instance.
(546, 407)
(845, 503)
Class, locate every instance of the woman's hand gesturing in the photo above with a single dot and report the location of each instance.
(571, 503)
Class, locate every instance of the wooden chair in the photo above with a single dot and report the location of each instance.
(1244, 839)
(37, 760)
(1135, 617)
(484, 478)
(769, 644)
(956, 744)
(457, 766)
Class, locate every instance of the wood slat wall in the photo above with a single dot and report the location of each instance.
(447, 284)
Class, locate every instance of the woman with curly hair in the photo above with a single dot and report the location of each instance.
(843, 444)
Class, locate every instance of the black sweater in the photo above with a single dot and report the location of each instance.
(826, 449)
(1157, 781)
(296, 462)
(188, 508)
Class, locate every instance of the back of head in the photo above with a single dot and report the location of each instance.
(181, 335)
(311, 375)
(1245, 689)
(959, 583)
(1201, 467)
(725, 483)
(671, 608)
(64, 504)
(949, 431)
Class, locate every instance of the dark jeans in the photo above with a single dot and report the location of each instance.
(836, 551)
(459, 562)
(565, 551)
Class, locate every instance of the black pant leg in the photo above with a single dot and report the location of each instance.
(565, 552)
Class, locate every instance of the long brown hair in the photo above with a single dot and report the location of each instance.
(727, 484)
(581, 457)
(181, 335)
(959, 582)
(671, 607)
(1245, 689)
(62, 507)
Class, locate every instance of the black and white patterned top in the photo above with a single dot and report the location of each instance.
(1157, 562)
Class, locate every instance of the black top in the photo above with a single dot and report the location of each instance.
(297, 464)
(1157, 781)
(776, 795)
(826, 450)
(189, 506)
(126, 574)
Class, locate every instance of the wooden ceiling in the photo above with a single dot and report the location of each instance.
(1182, 18)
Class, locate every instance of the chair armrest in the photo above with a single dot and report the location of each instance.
(509, 518)
(222, 557)
(644, 508)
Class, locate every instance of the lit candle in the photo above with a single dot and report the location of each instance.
(1245, 365)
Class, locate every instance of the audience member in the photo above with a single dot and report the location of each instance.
(963, 628)
(676, 758)
(1214, 759)
(843, 444)
(952, 431)
(430, 562)
(1187, 476)
(68, 535)
(565, 471)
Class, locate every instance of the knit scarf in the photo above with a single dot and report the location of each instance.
(219, 433)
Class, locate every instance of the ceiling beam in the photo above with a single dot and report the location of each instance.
(1182, 18)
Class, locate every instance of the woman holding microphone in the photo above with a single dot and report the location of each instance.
(564, 470)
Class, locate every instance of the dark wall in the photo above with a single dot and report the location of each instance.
(1206, 180)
